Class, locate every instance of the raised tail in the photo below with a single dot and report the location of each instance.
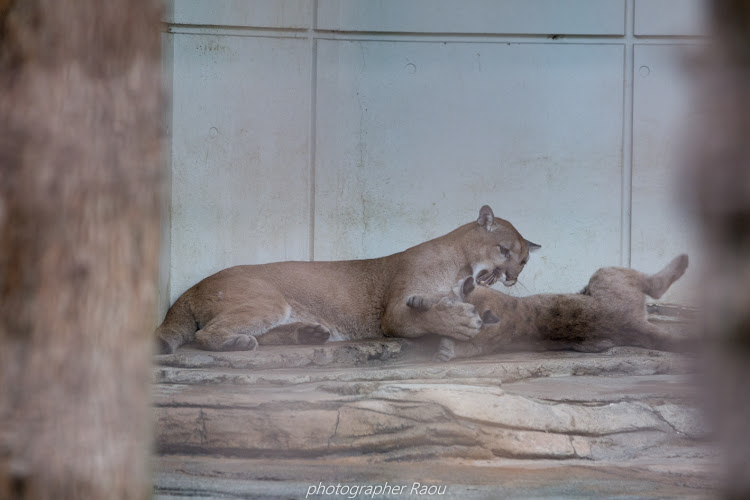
(177, 328)
(657, 284)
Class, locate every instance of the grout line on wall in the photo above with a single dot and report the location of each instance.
(182, 28)
(442, 35)
(626, 217)
(425, 37)
(311, 135)
(513, 39)
(165, 252)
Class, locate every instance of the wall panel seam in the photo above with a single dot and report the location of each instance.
(626, 220)
(312, 133)
(249, 31)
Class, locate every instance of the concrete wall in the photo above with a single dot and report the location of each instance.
(343, 129)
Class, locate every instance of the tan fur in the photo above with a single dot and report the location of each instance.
(81, 184)
(308, 302)
(610, 311)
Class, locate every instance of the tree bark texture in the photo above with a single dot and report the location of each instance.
(718, 186)
(80, 188)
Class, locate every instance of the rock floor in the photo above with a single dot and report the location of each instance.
(276, 422)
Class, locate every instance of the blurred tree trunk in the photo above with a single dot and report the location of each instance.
(718, 185)
(80, 184)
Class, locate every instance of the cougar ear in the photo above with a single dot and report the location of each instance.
(486, 218)
(532, 246)
(468, 287)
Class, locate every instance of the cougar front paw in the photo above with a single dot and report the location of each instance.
(460, 319)
(417, 302)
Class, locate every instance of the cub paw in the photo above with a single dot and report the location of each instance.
(313, 334)
(240, 342)
(445, 352)
(441, 357)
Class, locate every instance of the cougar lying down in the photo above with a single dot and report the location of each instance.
(310, 302)
(610, 311)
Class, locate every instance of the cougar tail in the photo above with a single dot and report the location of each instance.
(177, 328)
(657, 284)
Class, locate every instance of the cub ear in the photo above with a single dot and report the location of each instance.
(486, 218)
(532, 246)
(489, 318)
(468, 287)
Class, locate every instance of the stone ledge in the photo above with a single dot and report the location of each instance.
(400, 360)
(351, 353)
(482, 421)
(383, 410)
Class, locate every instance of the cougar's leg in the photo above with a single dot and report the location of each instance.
(296, 333)
(223, 334)
(450, 348)
(650, 336)
(237, 330)
(415, 316)
(470, 349)
(657, 284)
(446, 350)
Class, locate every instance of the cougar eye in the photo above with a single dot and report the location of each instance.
(524, 261)
(504, 251)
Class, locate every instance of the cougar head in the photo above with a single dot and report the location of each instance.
(503, 253)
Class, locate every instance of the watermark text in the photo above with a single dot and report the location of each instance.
(374, 490)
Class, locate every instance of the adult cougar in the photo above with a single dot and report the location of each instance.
(610, 311)
(310, 302)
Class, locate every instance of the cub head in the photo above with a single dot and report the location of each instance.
(502, 251)
(465, 290)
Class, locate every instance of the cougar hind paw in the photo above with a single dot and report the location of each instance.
(313, 334)
(240, 342)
